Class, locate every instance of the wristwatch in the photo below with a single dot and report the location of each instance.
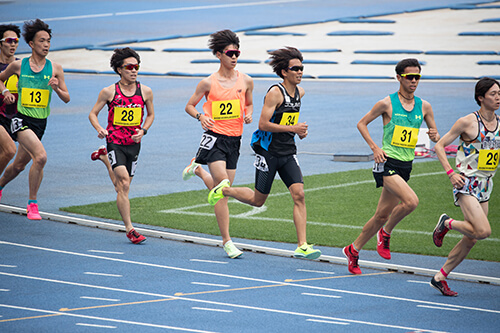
(145, 131)
(198, 116)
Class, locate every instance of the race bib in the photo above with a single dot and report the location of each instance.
(127, 116)
(378, 167)
(488, 159)
(112, 157)
(405, 137)
(16, 124)
(207, 141)
(34, 98)
(11, 84)
(260, 163)
(289, 118)
(223, 110)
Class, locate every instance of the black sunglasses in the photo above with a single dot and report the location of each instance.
(296, 68)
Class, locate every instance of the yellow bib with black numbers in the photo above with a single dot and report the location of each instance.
(405, 137)
(11, 84)
(35, 98)
(289, 118)
(127, 116)
(488, 159)
(222, 110)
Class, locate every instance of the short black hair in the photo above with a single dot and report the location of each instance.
(9, 27)
(482, 87)
(220, 39)
(121, 54)
(30, 29)
(280, 58)
(408, 62)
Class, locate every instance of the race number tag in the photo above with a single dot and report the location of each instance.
(11, 84)
(260, 163)
(488, 159)
(289, 118)
(112, 157)
(223, 110)
(127, 116)
(378, 167)
(16, 124)
(34, 98)
(207, 141)
(405, 137)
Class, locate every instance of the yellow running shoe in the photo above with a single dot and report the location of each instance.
(216, 193)
(306, 251)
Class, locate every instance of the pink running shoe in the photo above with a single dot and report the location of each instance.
(97, 153)
(383, 239)
(440, 230)
(352, 259)
(135, 237)
(32, 211)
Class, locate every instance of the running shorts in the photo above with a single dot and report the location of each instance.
(391, 167)
(21, 122)
(217, 147)
(478, 187)
(126, 155)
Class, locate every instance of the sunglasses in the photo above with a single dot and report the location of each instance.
(231, 53)
(10, 40)
(296, 68)
(131, 67)
(411, 76)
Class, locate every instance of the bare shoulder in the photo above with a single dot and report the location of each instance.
(248, 80)
(146, 91)
(302, 92)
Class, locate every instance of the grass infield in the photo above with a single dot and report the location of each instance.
(338, 205)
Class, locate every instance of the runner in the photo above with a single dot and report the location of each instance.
(228, 105)
(38, 77)
(476, 164)
(275, 148)
(126, 100)
(9, 34)
(402, 114)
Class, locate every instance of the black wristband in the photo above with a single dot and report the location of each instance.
(145, 131)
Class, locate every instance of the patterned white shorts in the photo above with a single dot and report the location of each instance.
(478, 187)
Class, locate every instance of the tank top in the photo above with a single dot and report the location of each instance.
(280, 143)
(9, 110)
(125, 115)
(226, 106)
(480, 156)
(401, 133)
(34, 90)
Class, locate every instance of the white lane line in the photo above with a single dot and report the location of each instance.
(106, 252)
(437, 307)
(4, 289)
(92, 325)
(327, 322)
(103, 274)
(321, 295)
(209, 309)
(311, 271)
(100, 299)
(209, 261)
(211, 284)
(414, 281)
(8, 266)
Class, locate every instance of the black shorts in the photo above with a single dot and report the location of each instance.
(21, 122)
(217, 147)
(266, 166)
(126, 155)
(5, 123)
(391, 167)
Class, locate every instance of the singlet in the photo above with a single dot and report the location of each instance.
(125, 115)
(280, 143)
(34, 90)
(480, 156)
(401, 133)
(226, 106)
(9, 110)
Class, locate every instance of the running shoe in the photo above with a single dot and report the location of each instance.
(442, 286)
(188, 171)
(32, 212)
(383, 239)
(440, 230)
(97, 153)
(352, 259)
(216, 193)
(231, 250)
(135, 237)
(306, 251)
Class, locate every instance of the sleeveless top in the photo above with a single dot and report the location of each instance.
(280, 143)
(9, 110)
(34, 90)
(125, 115)
(480, 156)
(226, 106)
(401, 133)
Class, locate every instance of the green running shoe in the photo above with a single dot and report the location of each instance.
(216, 193)
(306, 251)
(188, 171)
(231, 250)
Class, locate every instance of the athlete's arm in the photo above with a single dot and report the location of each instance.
(58, 84)
(429, 120)
(104, 97)
(379, 109)
(13, 68)
(248, 100)
(202, 89)
(148, 100)
(302, 92)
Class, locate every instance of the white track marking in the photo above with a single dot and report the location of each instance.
(437, 307)
(97, 326)
(209, 261)
(208, 309)
(311, 271)
(105, 252)
(321, 295)
(103, 274)
(327, 322)
(211, 284)
(100, 299)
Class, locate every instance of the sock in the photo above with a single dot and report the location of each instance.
(383, 229)
(32, 201)
(449, 224)
(444, 273)
(354, 247)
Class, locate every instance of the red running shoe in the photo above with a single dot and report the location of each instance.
(97, 153)
(135, 237)
(352, 259)
(383, 239)
(442, 286)
(440, 230)
(32, 212)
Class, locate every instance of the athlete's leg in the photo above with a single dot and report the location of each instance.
(104, 159)
(7, 149)
(16, 167)
(299, 211)
(246, 195)
(31, 144)
(122, 187)
(219, 172)
(205, 176)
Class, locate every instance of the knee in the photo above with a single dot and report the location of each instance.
(299, 197)
(258, 203)
(40, 160)
(9, 151)
(122, 186)
(411, 204)
(483, 233)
